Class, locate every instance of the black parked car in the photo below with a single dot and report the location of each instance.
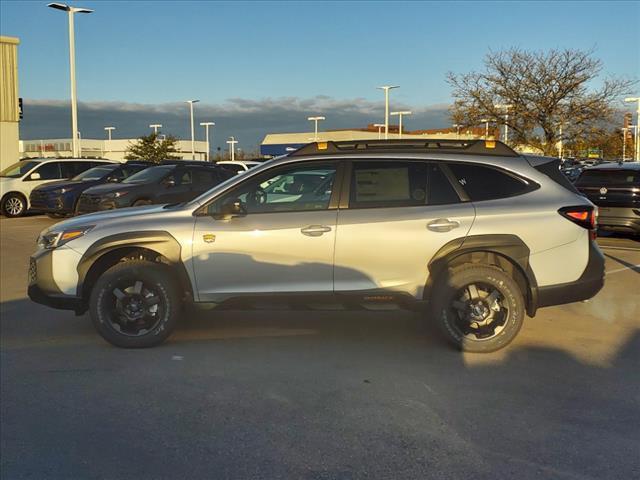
(615, 189)
(169, 182)
(59, 199)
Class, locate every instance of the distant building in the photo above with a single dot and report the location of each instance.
(9, 103)
(89, 148)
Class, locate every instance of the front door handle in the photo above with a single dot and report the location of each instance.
(315, 230)
(442, 225)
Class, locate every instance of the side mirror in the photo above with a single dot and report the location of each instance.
(230, 209)
(169, 183)
(35, 176)
(113, 180)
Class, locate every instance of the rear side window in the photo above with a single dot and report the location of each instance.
(440, 190)
(486, 183)
(388, 184)
(71, 169)
(204, 178)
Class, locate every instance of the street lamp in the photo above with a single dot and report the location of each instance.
(232, 146)
(486, 126)
(155, 127)
(109, 130)
(637, 143)
(386, 89)
(206, 126)
(457, 127)
(506, 107)
(635, 130)
(380, 126)
(193, 133)
(400, 115)
(72, 70)
(315, 120)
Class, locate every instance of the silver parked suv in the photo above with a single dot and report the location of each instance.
(470, 232)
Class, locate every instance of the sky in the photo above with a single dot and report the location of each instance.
(260, 67)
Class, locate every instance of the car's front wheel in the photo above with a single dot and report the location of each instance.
(479, 308)
(14, 205)
(135, 304)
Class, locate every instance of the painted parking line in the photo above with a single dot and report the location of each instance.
(611, 247)
(622, 269)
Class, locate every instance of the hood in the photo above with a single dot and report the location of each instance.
(49, 186)
(111, 187)
(99, 218)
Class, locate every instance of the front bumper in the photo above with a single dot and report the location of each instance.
(48, 203)
(587, 286)
(43, 289)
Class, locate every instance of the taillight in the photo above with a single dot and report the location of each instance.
(585, 216)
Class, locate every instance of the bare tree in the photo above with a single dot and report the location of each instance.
(543, 91)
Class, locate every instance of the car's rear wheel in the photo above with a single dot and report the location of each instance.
(479, 308)
(14, 205)
(135, 304)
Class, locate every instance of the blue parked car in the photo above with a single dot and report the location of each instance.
(59, 199)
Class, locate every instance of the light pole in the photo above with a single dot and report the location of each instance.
(72, 70)
(486, 126)
(315, 120)
(506, 107)
(637, 143)
(109, 130)
(634, 129)
(155, 127)
(206, 126)
(457, 127)
(193, 133)
(232, 146)
(624, 143)
(380, 126)
(560, 144)
(400, 115)
(386, 89)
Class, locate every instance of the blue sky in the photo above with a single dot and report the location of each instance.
(162, 51)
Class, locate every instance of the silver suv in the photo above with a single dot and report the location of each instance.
(469, 232)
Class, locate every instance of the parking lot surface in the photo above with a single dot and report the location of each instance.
(320, 394)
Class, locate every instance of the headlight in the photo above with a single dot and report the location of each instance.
(51, 240)
(60, 190)
(117, 194)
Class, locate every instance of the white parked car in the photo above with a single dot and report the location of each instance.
(17, 180)
(238, 166)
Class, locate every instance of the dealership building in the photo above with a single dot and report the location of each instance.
(9, 102)
(115, 149)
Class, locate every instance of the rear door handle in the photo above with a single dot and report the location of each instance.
(315, 230)
(442, 225)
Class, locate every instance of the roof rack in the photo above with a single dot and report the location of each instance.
(469, 147)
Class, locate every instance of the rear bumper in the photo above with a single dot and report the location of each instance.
(587, 286)
(619, 218)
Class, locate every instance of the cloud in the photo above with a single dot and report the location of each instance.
(248, 120)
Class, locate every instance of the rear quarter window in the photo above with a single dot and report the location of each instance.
(488, 183)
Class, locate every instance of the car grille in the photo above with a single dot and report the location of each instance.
(33, 271)
(88, 203)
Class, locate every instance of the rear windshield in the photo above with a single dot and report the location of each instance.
(151, 174)
(18, 169)
(602, 177)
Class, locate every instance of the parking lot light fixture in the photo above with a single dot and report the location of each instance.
(232, 147)
(379, 126)
(109, 130)
(206, 126)
(507, 108)
(315, 120)
(193, 132)
(72, 70)
(386, 89)
(155, 127)
(400, 115)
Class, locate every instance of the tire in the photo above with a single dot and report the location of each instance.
(14, 205)
(479, 308)
(120, 295)
(140, 203)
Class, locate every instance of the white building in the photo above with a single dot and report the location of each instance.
(112, 149)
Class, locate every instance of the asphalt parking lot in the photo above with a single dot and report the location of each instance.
(320, 394)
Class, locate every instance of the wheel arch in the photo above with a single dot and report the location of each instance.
(158, 246)
(506, 251)
(24, 196)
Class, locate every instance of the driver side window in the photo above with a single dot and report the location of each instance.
(288, 189)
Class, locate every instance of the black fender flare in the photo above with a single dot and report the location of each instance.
(157, 240)
(506, 245)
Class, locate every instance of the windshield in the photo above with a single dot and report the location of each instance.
(95, 173)
(17, 169)
(149, 175)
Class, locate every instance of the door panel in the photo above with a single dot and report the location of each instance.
(264, 253)
(390, 248)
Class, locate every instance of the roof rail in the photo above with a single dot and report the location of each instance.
(469, 147)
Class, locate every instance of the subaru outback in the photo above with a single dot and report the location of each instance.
(470, 233)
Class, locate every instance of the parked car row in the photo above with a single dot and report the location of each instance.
(66, 187)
